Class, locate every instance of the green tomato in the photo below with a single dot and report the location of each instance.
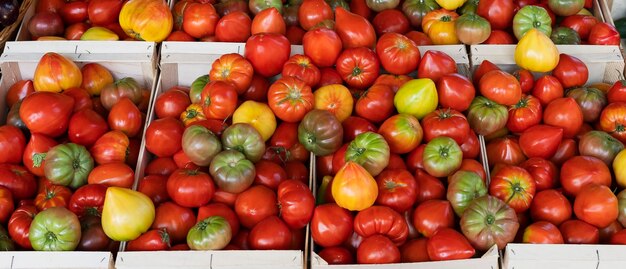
(68, 165)
(196, 88)
(442, 156)
(417, 97)
(380, 5)
(6, 244)
(488, 221)
(415, 10)
(55, 229)
(463, 188)
(565, 36)
(469, 7)
(320, 132)
(565, 8)
(532, 17)
(486, 116)
(369, 150)
(232, 172)
(621, 198)
(246, 139)
(200, 145)
(211, 233)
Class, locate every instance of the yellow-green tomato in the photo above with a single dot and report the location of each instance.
(126, 214)
(417, 97)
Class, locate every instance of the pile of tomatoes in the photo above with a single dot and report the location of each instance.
(71, 132)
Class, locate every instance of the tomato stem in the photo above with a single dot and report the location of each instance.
(38, 159)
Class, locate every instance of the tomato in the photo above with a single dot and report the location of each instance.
(268, 21)
(336, 255)
(320, 132)
(174, 219)
(257, 48)
(354, 30)
(112, 174)
(513, 185)
(463, 188)
(270, 233)
(354, 126)
(564, 113)
(397, 189)
(607, 233)
(472, 165)
(446, 122)
(472, 29)
(612, 120)
(322, 46)
(331, 225)
(485, 67)
(255, 204)
(290, 98)
(545, 173)
(552, 206)
(222, 210)
(113, 146)
(433, 215)
(47, 113)
(430, 187)
(359, 67)
(88, 200)
(583, 170)
(448, 244)
(377, 249)
(487, 222)
(119, 205)
(126, 87)
(525, 114)
(499, 13)
(212, 233)
(582, 24)
(55, 229)
(53, 196)
(376, 103)
(571, 71)
(68, 165)
(296, 203)
(417, 97)
(435, 64)
(6, 204)
(403, 133)
(190, 188)
(101, 13)
(233, 27)
(617, 92)
(199, 20)
(93, 237)
(162, 130)
(336, 99)
(161, 166)
(232, 68)
(600, 145)
(455, 91)
(369, 150)
(126, 117)
(313, 12)
(505, 150)
(596, 205)
(500, 87)
(348, 179)
(398, 54)
(416, 10)
(442, 156)
(19, 225)
(219, 100)
(419, 38)
(153, 240)
(579, 232)
(390, 21)
(171, 103)
(604, 34)
(547, 89)
(155, 187)
(439, 25)
(541, 141)
(147, 20)
(500, 37)
(542, 232)
(82, 99)
(56, 73)
(19, 91)
(618, 169)
(86, 127)
(13, 144)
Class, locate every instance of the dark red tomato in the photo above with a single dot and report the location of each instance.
(175, 219)
(579, 232)
(542, 232)
(414, 160)
(617, 92)
(190, 188)
(324, 165)
(331, 225)
(547, 89)
(86, 127)
(430, 187)
(607, 232)
(435, 64)
(541, 141)
(92, 236)
(172, 103)
(270, 233)
(19, 225)
(567, 149)
(420, 38)
(377, 249)
(152, 240)
(82, 99)
(564, 113)
(396, 162)
(241, 240)
(525, 114)
(552, 206)
(336, 255)
(571, 71)
(88, 200)
(267, 53)
(295, 34)
(161, 166)
(505, 150)
(104, 12)
(391, 21)
(155, 187)
(415, 250)
(74, 12)
(297, 170)
(446, 122)
(525, 78)
(222, 210)
(18, 180)
(433, 215)
(397, 189)
(360, 7)
(354, 126)
(312, 12)
(618, 238)
(583, 170)
(545, 173)
(269, 174)
(164, 136)
(448, 244)
(6, 204)
(582, 24)
(255, 204)
(499, 37)
(339, 158)
(604, 34)
(499, 13)
(12, 144)
(455, 91)
(329, 76)
(257, 90)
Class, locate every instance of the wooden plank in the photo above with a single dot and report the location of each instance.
(60, 260)
(240, 259)
(532, 256)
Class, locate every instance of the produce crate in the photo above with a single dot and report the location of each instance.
(523, 256)
(181, 63)
(614, 10)
(8, 33)
(41, 260)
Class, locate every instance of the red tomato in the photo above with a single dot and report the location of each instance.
(331, 225)
(596, 205)
(301, 67)
(505, 150)
(104, 12)
(582, 24)
(420, 39)
(472, 165)
(267, 53)
(222, 210)
(152, 240)
(112, 175)
(171, 103)
(499, 13)
(607, 232)
(179, 36)
(88, 200)
(617, 92)
(161, 166)
(47, 113)
(290, 98)
(155, 187)
(375, 104)
(164, 137)
(225, 197)
(552, 206)
(255, 204)
(219, 100)
(270, 233)
(377, 249)
(542, 232)
(403, 132)
(358, 67)
(398, 54)
(295, 34)
(525, 114)
(446, 122)
(525, 78)
(579, 232)
(268, 21)
(500, 37)
(543, 171)
(433, 215)
(567, 149)
(430, 187)
(336, 255)
(175, 219)
(296, 203)
(571, 71)
(355, 31)
(329, 76)
(435, 64)
(269, 174)
(126, 117)
(312, 12)
(233, 27)
(18, 180)
(513, 185)
(485, 67)
(397, 189)
(415, 250)
(19, 225)
(49, 5)
(583, 170)
(86, 127)
(339, 158)
(604, 34)
(190, 188)
(613, 120)
(547, 89)
(455, 91)
(448, 244)
(19, 91)
(297, 170)
(540, 141)
(35, 152)
(501, 87)
(53, 196)
(82, 99)
(381, 220)
(354, 126)
(391, 21)
(564, 113)
(199, 20)
(6, 204)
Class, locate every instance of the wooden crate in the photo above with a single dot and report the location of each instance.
(527, 256)
(65, 260)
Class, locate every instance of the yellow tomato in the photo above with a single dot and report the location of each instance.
(149, 20)
(126, 214)
(536, 52)
(619, 167)
(55, 73)
(354, 188)
(584, 11)
(417, 97)
(99, 33)
(604, 87)
(450, 4)
(192, 114)
(259, 115)
(335, 98)
(51, 38)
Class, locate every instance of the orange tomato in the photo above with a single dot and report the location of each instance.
(335, 98)
(55, 73)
